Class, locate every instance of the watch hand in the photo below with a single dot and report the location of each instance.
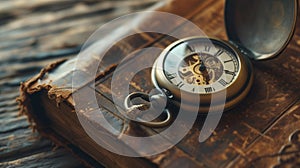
(202, 67)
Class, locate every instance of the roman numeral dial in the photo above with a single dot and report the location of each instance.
(201, 67)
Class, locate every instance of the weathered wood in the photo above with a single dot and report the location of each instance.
(17, 144)
(32, 35)
(270, 111)
(149, 41)
(232, 138)
(281, 149)
(242, 126)
(58, 158)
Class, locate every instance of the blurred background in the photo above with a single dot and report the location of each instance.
(34, 33)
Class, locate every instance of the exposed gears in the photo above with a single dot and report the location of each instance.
(201, 69)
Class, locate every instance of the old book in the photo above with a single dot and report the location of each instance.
(262, 131)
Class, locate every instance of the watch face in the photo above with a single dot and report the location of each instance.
(201, 66)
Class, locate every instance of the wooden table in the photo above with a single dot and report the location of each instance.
(263, 130)
(33, 34)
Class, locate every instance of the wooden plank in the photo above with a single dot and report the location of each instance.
(270, 98)
(8, 103)
(275, 91)
(57, 32)
(20, 143)
(34, 21)
(59, 158)
(8, 115)
(186, 158)
(282, 150)
(13, 124)
(33, 34)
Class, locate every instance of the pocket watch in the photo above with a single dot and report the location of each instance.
(195, 68)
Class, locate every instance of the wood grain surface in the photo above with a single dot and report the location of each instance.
(263, 131)
(33, 34)
(255, 133)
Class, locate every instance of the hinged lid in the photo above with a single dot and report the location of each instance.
(262, 27)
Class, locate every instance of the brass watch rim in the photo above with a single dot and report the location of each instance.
(234, 90)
